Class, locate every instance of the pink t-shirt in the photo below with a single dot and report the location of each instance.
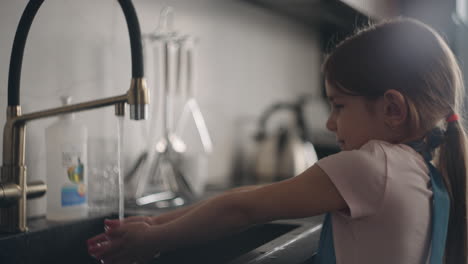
(388, 191)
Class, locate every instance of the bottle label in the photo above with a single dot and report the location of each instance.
(74, 192)
(73, 195)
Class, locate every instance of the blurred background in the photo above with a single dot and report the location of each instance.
(252, 60)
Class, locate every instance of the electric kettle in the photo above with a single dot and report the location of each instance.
(286, 151)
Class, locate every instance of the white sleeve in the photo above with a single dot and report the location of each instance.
(360, 177)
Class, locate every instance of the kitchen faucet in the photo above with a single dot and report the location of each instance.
(14, 189)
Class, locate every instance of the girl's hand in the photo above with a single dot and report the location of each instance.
(150, 220)
(102, 239)
(112, 223)
(129, 243)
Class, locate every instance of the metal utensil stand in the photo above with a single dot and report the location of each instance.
(165, 184)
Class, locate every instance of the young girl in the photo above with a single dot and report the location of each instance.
(396, 90)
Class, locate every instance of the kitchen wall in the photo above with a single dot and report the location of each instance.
(376, 8)
(247, 58)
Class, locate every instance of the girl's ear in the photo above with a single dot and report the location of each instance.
(395, 108)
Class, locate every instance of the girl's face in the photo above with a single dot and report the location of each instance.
(353, 119)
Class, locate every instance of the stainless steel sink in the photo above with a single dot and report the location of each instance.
(285, 241)
(298, 245)
(229, 248)
(289, 241)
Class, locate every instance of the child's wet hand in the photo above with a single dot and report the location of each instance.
(128, 243)
(95, 243)
(112, 223)
(96, 240)
(132, 219)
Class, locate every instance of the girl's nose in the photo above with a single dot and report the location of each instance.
(331, 123)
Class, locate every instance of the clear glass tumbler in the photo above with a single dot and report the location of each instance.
(103, 175)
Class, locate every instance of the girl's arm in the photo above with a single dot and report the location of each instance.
(172, 215)
(167, 217)
(308, 194)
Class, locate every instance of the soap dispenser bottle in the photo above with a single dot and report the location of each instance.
(66, 148)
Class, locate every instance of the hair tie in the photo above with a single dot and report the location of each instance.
(452, 118)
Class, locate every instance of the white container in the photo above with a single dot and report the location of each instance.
(66, 146)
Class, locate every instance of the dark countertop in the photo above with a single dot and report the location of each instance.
(285, 241)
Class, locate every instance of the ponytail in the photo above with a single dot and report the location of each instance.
(452, 164)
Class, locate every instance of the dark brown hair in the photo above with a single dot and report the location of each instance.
(410, 57)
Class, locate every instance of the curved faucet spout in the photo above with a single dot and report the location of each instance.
(22, 31)
(16, 60)
(135, 37)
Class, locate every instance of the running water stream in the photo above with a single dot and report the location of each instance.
(120, 163)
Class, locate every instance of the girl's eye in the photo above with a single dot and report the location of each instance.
(337, 106)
